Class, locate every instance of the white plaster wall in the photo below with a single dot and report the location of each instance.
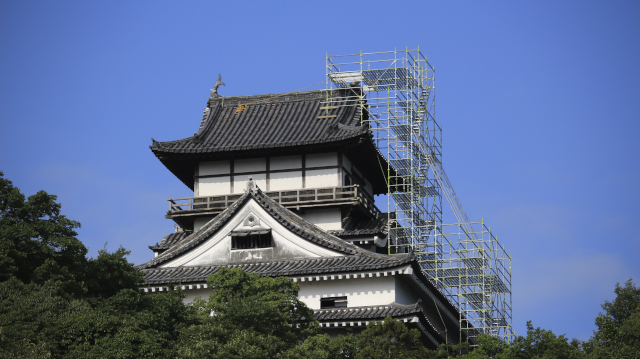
(250, 165)
(240, 182)
(326, 218)
(214, 168)
(404, 294)
(359, 292)
(285, 162)
(321, 159)
(199, 222)
(285, 180)
(214, 185)
(322, 178)
(191, 294)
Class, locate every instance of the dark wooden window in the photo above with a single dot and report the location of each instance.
(251, 240)
(333, 302)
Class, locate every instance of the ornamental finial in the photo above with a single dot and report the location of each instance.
(251, 186)
(214, 90)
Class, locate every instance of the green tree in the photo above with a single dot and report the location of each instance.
(247, 316)
(618, 333)
(391, 339)
(541, 343)
(109, 273)
(127, 325)
(56, 303)
(37, 243)
(321, 346)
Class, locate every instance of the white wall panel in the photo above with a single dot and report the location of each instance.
(405, 294)
(285, 162)
(359, 292)
(328, 177)
(250, 165)
(286, 180)
(199, 222)
(214, 185)
(214, 168)
(321, 159)
(240, 182)
(326, 218)
(191, 294)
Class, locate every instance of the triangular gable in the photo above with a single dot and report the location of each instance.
(294, 237)
(250, 218)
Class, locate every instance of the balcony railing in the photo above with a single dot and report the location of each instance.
(295, 198)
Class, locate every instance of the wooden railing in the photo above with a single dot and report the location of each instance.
(307, 197)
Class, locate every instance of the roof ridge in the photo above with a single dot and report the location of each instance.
(266, 96)
(203, 231)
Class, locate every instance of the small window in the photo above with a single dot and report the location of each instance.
(253, 239)
(333, 302)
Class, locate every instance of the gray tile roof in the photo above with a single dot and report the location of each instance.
(288, 124)
(379, 312)
(289, 120)
(169, 240)
(358, 226)
(285, 217)
(288, 267)
(367, 313)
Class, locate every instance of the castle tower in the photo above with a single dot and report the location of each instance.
(283, 186)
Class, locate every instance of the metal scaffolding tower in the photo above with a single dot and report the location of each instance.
(464, 260)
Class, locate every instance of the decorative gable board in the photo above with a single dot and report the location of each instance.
(216, 250)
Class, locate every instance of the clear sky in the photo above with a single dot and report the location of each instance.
(539, 102)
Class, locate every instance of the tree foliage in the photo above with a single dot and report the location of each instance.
(618, 334)
(247, 316)
(57, 303)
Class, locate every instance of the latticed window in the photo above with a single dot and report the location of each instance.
(251, 239)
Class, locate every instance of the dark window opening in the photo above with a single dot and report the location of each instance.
(250, 241)
(333, 302)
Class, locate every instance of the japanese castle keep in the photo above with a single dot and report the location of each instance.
(284, 185)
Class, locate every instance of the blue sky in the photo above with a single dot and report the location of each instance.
(539, 103)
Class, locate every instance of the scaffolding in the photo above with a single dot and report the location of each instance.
(464, 260)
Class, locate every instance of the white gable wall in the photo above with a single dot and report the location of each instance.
(217, 249)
